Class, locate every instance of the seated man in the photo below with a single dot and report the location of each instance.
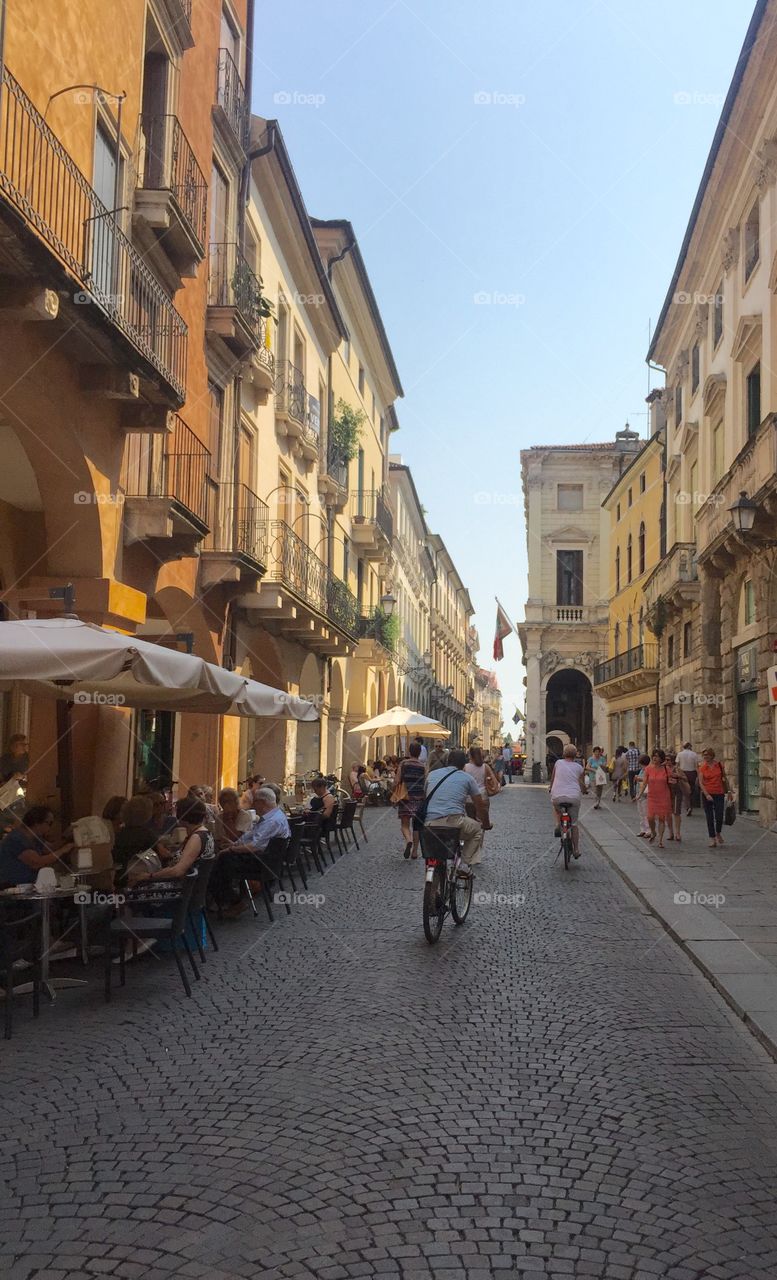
(452, 788)
(24, 850)
(237, 862)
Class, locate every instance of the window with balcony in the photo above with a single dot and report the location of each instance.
(617, 570)
(641, 551)
(752, 240)
(569, 577)
(569, 497)
(695, 368)
(753, 399)
(717, 315)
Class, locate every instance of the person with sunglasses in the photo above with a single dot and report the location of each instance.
(24, 851)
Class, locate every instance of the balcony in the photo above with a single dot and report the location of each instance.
(674, 582)
(236, 550)
(372, 525)
(297, 413)
(234, 301)
(172, 194)
(377, 635)
(67, 226)
(589, 615)
(261, 370)
(231, 112)
(754, 472)
(333, 483)
(301, 599)
(629, 672)
(166, 486)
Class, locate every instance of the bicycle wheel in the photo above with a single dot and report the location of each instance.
(566, 845)
(434, 905)
(461, 898)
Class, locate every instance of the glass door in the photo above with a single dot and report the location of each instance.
(749, 772)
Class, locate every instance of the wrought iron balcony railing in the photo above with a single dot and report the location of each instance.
(242, 523)
(371, 506)
(294, 564)
(42, 182)
(337, 468)
(175, 466)
(641, 657)
(231, 96)
(375, 626)
(232, 283)
(291, 397)
(170, 165)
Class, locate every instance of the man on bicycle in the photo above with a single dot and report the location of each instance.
(447, 807)
(566, 787)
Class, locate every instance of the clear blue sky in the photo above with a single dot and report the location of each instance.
(565, 196)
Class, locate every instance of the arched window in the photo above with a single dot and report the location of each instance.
(628, 559)
(617, 570)
(617, 638)
(642, 547)
(629, 633)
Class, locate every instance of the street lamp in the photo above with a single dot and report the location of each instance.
(388, 603)
(743, 513)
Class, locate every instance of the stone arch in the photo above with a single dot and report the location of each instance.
(568, 698)
(257, 744)
(308, 736)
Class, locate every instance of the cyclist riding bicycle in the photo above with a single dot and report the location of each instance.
(447, 807)
(566, 787)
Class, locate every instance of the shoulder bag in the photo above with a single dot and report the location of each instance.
(423, 808)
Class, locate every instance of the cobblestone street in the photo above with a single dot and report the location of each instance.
(553, 1090)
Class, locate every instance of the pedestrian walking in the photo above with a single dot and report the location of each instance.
(714, 789)
(678, 785)
(632, 761)
(507, 756)
(618, 771)
(659, 796)
(597, 777)
(641, 797)
(688, 762)
(423, 755)
(407, 795)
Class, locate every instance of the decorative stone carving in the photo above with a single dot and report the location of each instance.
(681, 368)
(702, 320)
(765, 166)
(550, 661)
(587, 661)
(730, 249)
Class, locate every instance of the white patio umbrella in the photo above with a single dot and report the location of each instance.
(66, 658)
(402, 720)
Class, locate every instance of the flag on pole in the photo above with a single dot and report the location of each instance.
(503, 628)
(519, 716)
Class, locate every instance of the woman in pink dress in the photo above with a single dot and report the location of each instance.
(659, 803)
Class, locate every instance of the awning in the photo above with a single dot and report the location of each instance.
(69, 659)
(402, 720)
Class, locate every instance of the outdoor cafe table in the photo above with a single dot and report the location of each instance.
(45, 898)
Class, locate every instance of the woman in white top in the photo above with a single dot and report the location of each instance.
(566, 787)
(479, 771)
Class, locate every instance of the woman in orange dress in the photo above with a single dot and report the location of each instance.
(659, 803)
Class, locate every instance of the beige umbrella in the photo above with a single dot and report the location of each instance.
(402, 720)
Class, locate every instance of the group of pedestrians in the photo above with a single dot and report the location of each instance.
(450, 788)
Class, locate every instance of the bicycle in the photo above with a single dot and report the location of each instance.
(565, 830)
(446, 889)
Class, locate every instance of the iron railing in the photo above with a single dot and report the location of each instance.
(176, 466)
(337, 468)
(264, 352)
(231, 96)
(371, 506)
(373, 626)
(170, 165)
(232, 283)
(43, 183)
(291, 397)
(641, 657)
(242, 524)
(293, 563)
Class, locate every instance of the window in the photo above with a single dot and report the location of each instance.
(678, 405)
(629, 498)
(693, 476)
(215, 414)
(670, 651)
(717, 451)
(753, 400)
(347, 352)
(373, 406)
(687, 639)
(361, 379)
(752, 240)
(748, 596)
(617, 638)
(717, 316)
(641, 551)
(694, 367)
(569, 497)
(642, 483)
(346, 559)
(617, 570)
(569, 577)
(629, 633)
(629, 559)
(662, 531)
(618, 512)
(641, 624)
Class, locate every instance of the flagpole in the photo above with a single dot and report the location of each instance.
(506, 614)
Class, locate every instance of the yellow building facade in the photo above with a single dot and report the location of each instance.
(626, 680)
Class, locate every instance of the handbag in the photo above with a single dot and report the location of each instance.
(730, 813)
(399, 793)
(600, 778)
(493, 785)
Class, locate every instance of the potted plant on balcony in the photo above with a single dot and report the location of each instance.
(344, 432)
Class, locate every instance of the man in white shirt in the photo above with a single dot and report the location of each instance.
(689, 761)
(507, 756)
(424, 752)
(239, 862)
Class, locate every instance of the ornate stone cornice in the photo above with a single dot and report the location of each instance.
(765, 164)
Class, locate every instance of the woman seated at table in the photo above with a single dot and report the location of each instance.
(162, 821)
(135, 835)
(24, 851)
(198, 845)
(232, 821)
(322, 801)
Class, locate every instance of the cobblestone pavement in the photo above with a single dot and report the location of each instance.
(552, 1091)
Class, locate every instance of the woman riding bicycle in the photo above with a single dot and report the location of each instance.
(566, 787)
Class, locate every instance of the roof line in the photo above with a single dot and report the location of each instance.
(717, 142)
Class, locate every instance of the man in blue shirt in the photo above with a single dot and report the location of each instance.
(447, 806)
(240, 862)
(24, 850)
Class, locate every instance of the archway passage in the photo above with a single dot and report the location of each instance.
(569, 707)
